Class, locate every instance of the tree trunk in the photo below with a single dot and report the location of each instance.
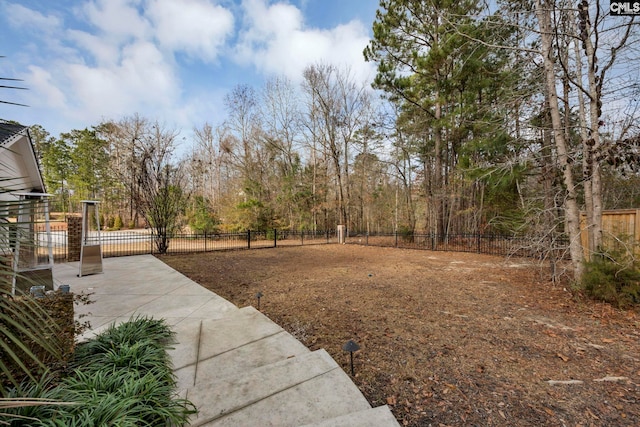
(438, 183)
(594, 230)
(587, 153)
(572, 213)
(549, 219)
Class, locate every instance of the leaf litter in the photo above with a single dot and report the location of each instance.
(445, 338)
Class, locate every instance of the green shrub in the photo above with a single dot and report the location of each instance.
(121, 377)
(136, 330)
(614, 278)
(272, 234)
(201, 217)
(406, 233)
(117, 223)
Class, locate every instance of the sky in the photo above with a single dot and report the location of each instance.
(85, 61)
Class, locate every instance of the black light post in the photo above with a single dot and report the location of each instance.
(351, 346)
(259, 295)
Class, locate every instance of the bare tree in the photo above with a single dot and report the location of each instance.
(336, 109)
(127, 138)
(599, 41)
(280, 117)
(142, 157)
(159, 193)
(204, 161)
(243, 124)
(543, 14)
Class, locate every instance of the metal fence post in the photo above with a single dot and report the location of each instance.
(367, 238)
(302, 238)
(396, 236)
(248, 239)
(275, 237)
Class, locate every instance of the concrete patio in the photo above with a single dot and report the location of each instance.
(237, 366)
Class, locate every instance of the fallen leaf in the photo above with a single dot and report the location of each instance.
(607, 340)
(391, 400)
(549, 411)
(502, 414)
(563, 357)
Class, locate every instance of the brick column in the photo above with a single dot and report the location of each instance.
(74, 237)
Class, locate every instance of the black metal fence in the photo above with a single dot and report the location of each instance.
(490, 244)
(140, 242)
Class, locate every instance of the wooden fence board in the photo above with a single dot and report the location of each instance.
(619, 227)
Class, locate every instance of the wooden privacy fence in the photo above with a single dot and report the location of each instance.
(620, 228)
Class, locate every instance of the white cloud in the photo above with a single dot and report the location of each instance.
(118, 20)
(102, 50)
(22, 17)
(197, 27)
(278, 19)
(125, 61)
(43, 90)
(275, 40)
(109, 58)
(141, 79)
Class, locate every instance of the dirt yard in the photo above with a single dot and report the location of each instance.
(447, 339)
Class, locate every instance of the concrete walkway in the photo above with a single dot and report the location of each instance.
(237, 366)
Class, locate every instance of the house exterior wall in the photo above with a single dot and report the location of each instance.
(19, 170)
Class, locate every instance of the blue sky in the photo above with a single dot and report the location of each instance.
(85, 61)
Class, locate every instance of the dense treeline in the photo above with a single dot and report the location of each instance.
(510, 119)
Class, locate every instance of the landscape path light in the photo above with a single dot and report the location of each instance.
(259, 295)
(351, 346)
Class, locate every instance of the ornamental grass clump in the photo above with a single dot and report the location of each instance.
(121, 377)
(31, 342)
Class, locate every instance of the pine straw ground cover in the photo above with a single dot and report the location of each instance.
(447, 339)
